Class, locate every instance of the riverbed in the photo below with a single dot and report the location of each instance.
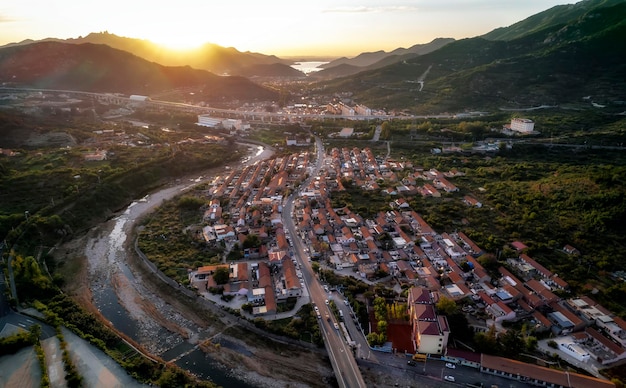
(120, 293)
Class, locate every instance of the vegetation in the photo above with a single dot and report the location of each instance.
(303, 326)
(71, 193)
(545, 197)
(171, 237)
(60, 310)
(11, 344)
(477, 74)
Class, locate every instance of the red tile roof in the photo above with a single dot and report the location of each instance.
(419, 295)
(424, 312)
(552, 376)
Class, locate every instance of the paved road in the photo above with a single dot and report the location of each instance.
(342, 360)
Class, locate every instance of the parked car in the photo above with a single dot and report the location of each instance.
(450, 365)
(411, 362)
(449, 378)
(336, 326)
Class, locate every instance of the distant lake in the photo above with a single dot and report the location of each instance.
(308, 67)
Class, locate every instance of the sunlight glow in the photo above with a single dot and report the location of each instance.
(322, 27)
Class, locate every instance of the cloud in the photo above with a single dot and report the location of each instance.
(364, 9)
(6, 19)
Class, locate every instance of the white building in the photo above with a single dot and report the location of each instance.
(362, 110)
(138, 98)
(346, 110)
(208, 121)
(522, 125)
(574, 350)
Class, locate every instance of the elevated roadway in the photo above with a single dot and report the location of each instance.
(340, 353)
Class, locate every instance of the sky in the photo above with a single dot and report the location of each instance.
(280, 27)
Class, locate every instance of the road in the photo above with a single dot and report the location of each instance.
(224, 112)
(340, 354)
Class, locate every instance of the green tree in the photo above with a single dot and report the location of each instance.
(221, 275)
(251, 241)
(511, 343)
(446, 306)
(385, 131)
(486, 342)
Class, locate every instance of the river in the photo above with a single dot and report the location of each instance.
(309, 66)
(121, 297)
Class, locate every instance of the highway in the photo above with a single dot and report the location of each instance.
(253, 115)
(340, 354)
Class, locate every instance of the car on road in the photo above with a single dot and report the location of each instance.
(411, 362)
(450, 365)
(336, 325)
(346, 301)
(449, 378)
(326, 301)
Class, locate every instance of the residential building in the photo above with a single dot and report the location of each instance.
(538, 375)
(522, 125)
(430, 331)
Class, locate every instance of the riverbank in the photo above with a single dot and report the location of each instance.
(105, 276)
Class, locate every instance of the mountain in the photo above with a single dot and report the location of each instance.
(100, 68)
(368, 59)
(346, 69)
(271, 70)
(211, 57)
(559, 64)
(555, 16)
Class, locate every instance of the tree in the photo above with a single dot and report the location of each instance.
(315, 266)
(221, 275)
(511, 343)
(446, 306)
(385, 130)
(487, 342)
(251, 241)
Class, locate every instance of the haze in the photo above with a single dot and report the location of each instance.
(283, 28)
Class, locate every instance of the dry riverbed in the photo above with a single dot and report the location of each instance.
(104, 259)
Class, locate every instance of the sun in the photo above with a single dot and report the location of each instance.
(177, 42)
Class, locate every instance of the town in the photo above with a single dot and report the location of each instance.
(398, 249)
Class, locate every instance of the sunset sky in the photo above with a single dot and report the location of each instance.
(283, 28)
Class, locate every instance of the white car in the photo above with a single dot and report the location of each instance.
(449, 378)
(326, 301)
(336, 326)
(450, 365)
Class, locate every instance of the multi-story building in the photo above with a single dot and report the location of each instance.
(430, 331)
(522, 125)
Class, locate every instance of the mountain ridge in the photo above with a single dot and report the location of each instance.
(101, 68)
(557, 64)
(209, 56)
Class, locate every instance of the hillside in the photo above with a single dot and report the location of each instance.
(364, 60)
(100, 68)
(210, 57)
(273, 70)
(556, 65)
(555, 16)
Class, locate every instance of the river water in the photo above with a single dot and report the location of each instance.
(121, 298)
(309, 66)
